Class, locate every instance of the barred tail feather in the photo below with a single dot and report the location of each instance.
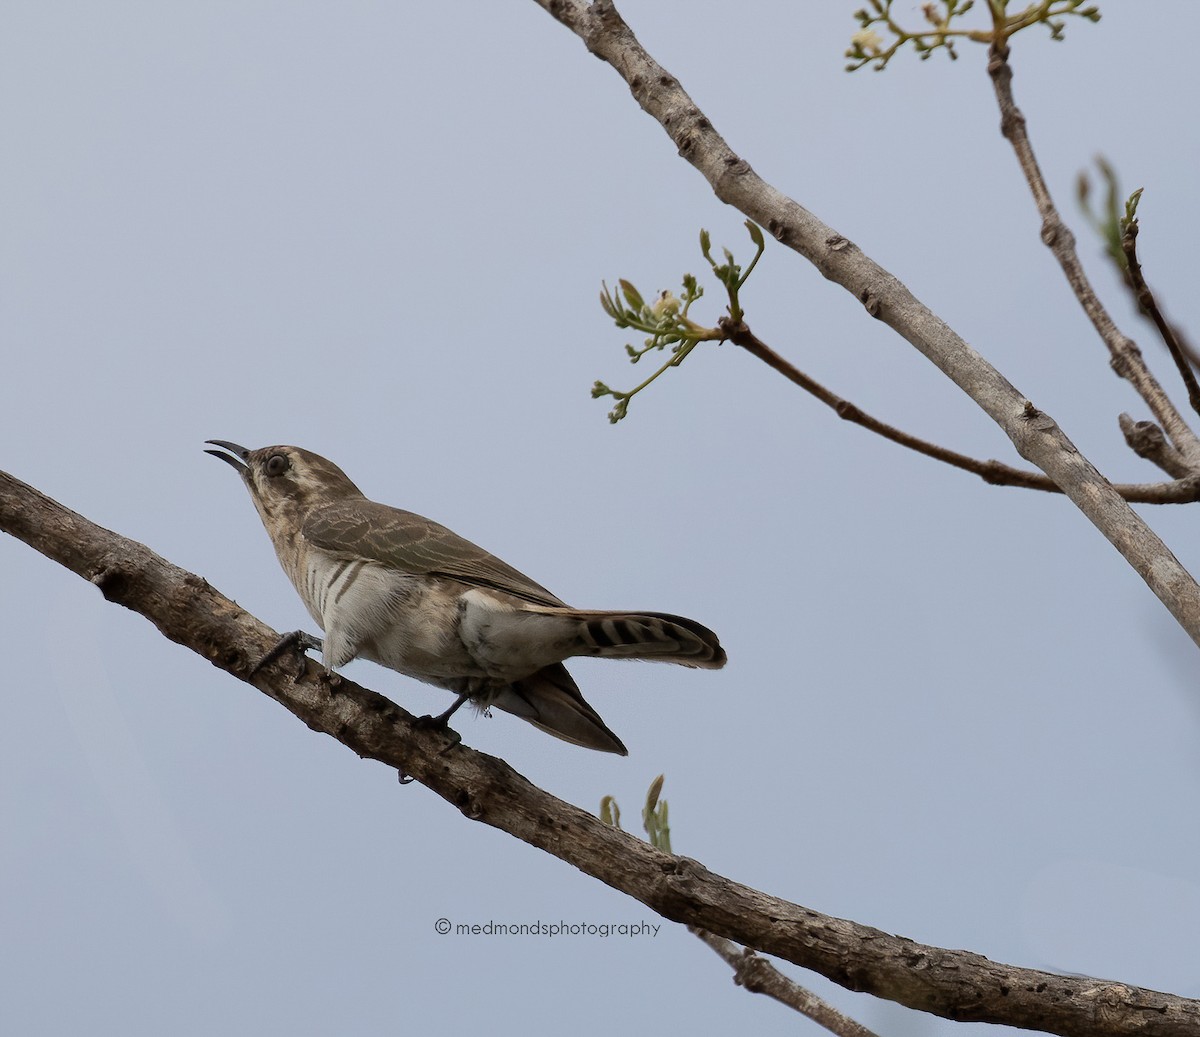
(655, 636)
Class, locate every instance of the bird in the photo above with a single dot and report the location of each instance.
(407, 593)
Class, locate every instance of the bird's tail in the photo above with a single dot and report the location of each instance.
(550, 699)
(654, 636)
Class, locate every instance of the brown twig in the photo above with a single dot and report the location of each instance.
(1145, 299)
(759, 976)
(1183, 490)
(1126, 358)
(1109, 226)
(954, 984)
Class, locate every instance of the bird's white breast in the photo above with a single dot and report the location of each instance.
(407, 623)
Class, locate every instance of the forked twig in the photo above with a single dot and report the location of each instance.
(759, 976)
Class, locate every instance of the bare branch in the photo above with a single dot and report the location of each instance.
(1184, 490)
(1126, 358)
(1035, 435)
(1149, 305)
(759, 976)
(954, 984)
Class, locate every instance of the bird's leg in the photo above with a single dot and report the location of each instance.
(296, 639)
(442, 719)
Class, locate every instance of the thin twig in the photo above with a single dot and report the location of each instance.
(1146, 300)
(1126, 358)
(1109, 226)
(1185, 490)
(759, 976)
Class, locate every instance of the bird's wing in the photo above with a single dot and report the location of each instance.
(416, 546)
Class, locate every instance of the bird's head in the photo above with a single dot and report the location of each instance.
(286, 482)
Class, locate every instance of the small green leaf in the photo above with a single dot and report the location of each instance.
(756, 234)
(1131, 204)
(632, 296)
(654, 792)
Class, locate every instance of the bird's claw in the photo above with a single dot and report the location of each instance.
(297, 639)
(440, 722)
(429, 721)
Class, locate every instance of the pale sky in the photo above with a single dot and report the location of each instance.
(378, 231)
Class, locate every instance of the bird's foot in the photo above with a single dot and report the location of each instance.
(298, 640)
(442, 720)
(442, 723)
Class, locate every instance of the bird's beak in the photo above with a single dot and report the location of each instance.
(240, 453)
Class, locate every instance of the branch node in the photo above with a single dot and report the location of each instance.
(1011, 122)
(1149, 441)
(996, 473)
(1125, 357)
(870, 301)
(1036, 419)
(468, 805)
(998, 58)
(1144, 438)
(112, 582)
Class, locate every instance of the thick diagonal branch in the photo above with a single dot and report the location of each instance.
(955, 984)
(1035, 434)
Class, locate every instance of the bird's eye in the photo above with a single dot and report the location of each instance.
(277, 464)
